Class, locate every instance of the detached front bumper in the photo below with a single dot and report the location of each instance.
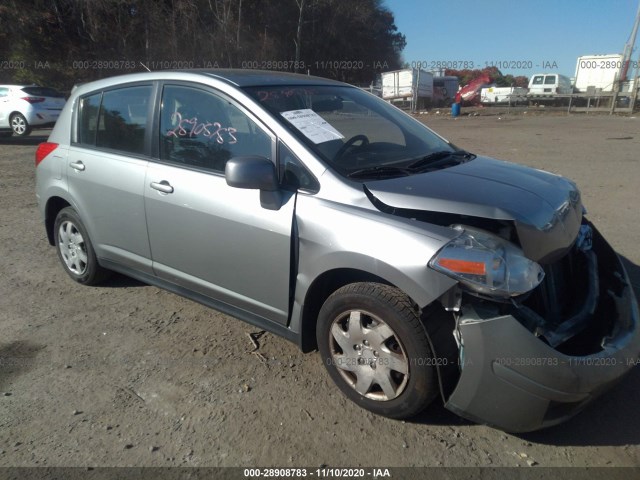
(514, 381)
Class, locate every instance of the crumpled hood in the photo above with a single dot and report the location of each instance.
(545, 208)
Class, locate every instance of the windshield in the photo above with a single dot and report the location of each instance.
(351, 130)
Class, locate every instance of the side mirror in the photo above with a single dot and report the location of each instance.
(255, 173)
(252, 172)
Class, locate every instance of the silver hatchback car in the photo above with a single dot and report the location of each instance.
(316, 211)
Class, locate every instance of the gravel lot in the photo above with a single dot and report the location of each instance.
(127, 374)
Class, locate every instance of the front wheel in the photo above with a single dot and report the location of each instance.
(376, 350)
(19, 125)
(75, 249)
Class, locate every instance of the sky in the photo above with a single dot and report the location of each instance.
(520, 37)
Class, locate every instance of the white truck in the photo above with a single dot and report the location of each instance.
(503, 95)
(409, 85)
(599, 72)
(549, 88)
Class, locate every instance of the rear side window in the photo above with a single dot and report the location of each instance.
(123, 119)
(550, 80)
(115, 119)
(4, 91)
(88, 114)
(201, 129)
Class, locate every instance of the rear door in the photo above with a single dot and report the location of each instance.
(206, 236)
(106, 168)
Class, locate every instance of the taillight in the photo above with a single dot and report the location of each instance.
(43, 150)
(34, 99)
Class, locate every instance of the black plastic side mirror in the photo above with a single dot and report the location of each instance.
(252, 172)
(256, 173)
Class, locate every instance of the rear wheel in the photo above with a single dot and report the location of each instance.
(75, 250)
(19, 125)
(376, 350)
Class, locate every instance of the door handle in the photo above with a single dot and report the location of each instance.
(163, 186)
(79, 166)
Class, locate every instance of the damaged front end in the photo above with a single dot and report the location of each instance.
(535, 361)
(544, 317)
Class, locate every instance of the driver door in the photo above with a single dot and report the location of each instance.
(206, 236)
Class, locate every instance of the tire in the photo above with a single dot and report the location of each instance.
(381, 361)
(75, 250)
(19, 125)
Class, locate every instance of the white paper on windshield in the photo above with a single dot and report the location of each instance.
(315, 128)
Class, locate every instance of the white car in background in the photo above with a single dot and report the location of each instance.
(23, 107)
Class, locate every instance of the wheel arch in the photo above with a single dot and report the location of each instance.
(18, 112)
(318, 292)
(420, 283)
(53, 207)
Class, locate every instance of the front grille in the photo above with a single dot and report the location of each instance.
(576, 308)
(563, 291)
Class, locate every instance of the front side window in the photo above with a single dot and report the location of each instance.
(122, 121)
(203, 130)
(293, 174)
(538, 79)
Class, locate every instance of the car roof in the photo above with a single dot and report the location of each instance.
(254, 78)
(236, 78)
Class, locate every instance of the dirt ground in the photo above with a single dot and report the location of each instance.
(129, 375)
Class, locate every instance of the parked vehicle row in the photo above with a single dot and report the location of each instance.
(542, 87)
(419, 89)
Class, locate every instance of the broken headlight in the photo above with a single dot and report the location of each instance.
(487, 264)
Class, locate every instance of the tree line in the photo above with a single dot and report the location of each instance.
(64, 42)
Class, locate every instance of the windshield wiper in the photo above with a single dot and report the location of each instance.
(435, 159)
(380, 171)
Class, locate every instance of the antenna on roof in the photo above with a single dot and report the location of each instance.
(146, 68)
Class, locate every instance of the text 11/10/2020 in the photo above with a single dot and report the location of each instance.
(321, 472)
